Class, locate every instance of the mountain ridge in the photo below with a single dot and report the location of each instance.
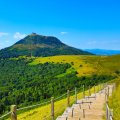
(39, 45)
(103, 51)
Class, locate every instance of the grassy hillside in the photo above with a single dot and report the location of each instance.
(86, 65)
(77, 63)
(34, 80)
(44, 112)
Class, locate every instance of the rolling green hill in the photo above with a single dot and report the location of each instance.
(33, 80)
(38, 45)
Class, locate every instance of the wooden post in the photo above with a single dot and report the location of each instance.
(75, 95)
(107, 112)
(83, 91)
(95, 91)
(111, 113)
(52, 108)
(83, 113)
(68, 98)
(103, 85)
(98, 88)
(108, 91)
(89, 106)
(112, 88)
(13, 112)
(80, 106)
(89, 91)
(106, 85)
(106, 96)
(72, 111)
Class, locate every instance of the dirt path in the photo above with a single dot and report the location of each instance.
(84, 110)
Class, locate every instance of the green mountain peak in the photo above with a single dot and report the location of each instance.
(39, 45)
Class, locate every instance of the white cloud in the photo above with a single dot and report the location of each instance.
(63, 33)
(3, 34)
(18, 35)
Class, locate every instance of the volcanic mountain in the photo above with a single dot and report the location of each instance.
(39, 45)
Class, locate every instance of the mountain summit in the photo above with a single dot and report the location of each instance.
(39, 45)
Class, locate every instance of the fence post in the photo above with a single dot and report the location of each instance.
(68, 98)
(107, 112)
(108, 91)
(94, 90)
(13, 112)
(112, 88)
(106, 96)
(52, 108)
(83, 113)
(101, 86)
(89, 91)
(98, 88)
(111, 113)
(75, 95)
(72, 111)
(83, 91)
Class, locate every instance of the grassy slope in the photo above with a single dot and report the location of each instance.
(114, 101)
(84, 65)
(41, 113)
(78, 63)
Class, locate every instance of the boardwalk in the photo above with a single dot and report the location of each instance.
(87, 109)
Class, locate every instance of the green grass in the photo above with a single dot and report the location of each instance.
(42, 112)
(114, 101)
(85, 65)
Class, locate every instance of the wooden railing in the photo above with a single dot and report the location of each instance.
(109, 113)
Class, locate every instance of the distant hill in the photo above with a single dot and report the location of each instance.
(38, 45)
(103, 52)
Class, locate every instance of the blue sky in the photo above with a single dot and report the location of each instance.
(83, 24)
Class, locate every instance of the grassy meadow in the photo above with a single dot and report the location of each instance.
(83, 66)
